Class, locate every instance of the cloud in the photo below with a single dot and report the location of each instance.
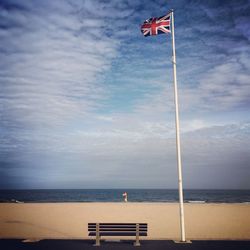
(50, 73)
(110, 156)
(85, 96)
(212, 62)
(227, 85)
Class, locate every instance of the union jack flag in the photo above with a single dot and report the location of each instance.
(155, 26)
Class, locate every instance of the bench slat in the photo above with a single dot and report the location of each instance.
(118, 234)
(116, 226)
(107, 224)
(118, 229)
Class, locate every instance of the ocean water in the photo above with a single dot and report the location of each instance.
(115, 195)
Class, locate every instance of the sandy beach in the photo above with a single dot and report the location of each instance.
(69, 220)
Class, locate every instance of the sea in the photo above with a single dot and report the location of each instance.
(115, 195)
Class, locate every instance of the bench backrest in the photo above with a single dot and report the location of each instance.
(118, 227)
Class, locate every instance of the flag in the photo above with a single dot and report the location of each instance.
(156, 26)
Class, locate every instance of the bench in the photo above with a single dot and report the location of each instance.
(117, 229)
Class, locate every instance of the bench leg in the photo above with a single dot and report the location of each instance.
(137, 242)
(97, 240)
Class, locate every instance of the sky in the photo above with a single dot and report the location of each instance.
(87, 102)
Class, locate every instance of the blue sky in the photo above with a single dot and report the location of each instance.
(87, 102)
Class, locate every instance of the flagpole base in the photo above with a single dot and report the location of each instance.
(183, 242)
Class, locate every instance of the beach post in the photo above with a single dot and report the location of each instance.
(178, 148)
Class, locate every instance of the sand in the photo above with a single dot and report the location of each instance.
(69, 220)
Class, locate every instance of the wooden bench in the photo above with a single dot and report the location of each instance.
(117, 229)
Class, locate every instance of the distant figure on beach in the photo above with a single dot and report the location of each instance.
(125, 197)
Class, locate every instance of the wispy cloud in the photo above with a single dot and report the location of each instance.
(212, 61)
(51, 62)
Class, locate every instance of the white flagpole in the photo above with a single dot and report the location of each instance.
(178, 148)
